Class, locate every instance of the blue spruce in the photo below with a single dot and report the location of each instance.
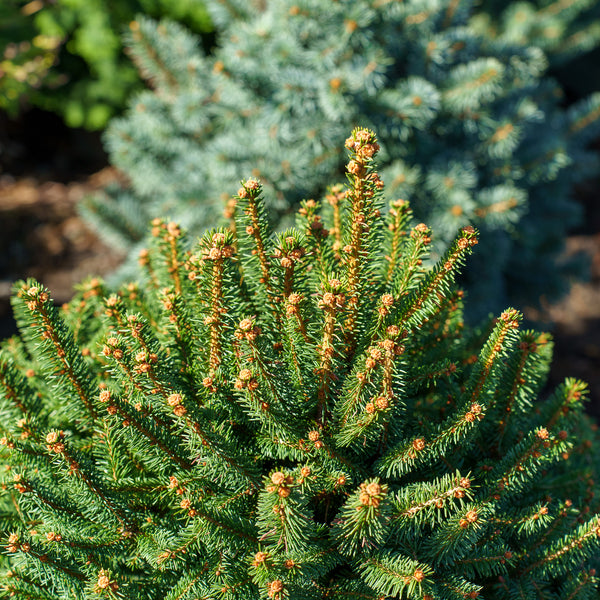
(472, 131)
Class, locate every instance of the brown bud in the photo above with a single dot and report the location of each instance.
(174, 399)
(418, 444)
(259, 558)
(179, 410)
(275, 587)
(313, 436)
(387, 300)
(373, 489)
(542, 433)
(278, 478)
(370, 364)
(53, 437)
(382, 403)
(245, 374)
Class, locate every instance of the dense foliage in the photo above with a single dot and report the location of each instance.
(567, 31)
(300, 415)
(67, 56)
(472, 131)
(564, 29)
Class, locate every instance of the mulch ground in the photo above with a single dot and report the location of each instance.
(42, 236)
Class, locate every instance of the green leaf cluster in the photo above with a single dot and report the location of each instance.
(67, 56)
(294, 416)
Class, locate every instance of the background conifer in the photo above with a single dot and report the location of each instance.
(471, 128)
(564, 30)
(295, 415)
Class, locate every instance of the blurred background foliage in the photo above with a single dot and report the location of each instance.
(472, 128)
(66, 56)
(568, 31)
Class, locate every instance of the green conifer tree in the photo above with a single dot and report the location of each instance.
(297, 416)
(472, 132)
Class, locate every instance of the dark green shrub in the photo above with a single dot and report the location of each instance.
(300, 416)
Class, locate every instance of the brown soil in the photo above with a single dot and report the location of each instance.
(42, 236)
(575, 324)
